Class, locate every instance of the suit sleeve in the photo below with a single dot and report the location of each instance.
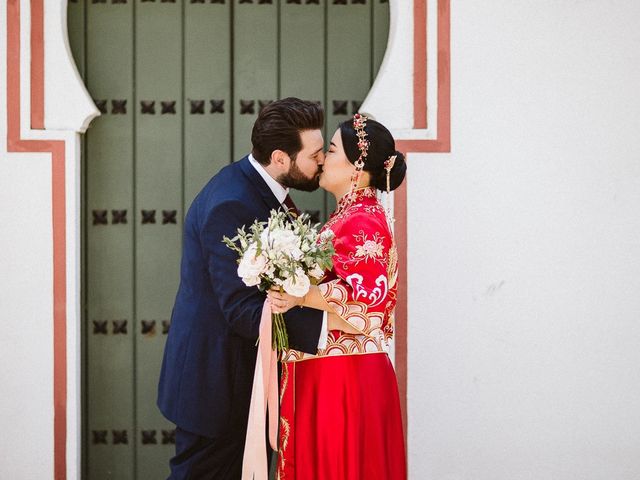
(241, 305)
(303, 328)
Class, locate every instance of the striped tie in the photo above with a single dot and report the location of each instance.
(291, 207)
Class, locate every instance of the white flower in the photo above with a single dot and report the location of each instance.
(264, 238)
(316, 272)
(298, 284)
(252, 266)
(271, 269)
(327, 235)
(251, 281)
(296, 253)
(284, 240)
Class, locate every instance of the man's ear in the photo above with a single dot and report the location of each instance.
(280, 159)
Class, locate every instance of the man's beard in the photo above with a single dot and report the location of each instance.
(294, 178)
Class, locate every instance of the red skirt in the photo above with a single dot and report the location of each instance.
(341, 420)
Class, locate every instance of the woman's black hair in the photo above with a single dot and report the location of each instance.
(381, 147)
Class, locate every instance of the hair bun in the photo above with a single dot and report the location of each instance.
(396, 177)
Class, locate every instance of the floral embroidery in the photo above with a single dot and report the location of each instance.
(370, 248)
(373, 209)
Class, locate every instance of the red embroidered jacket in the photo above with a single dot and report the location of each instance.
(361, 287)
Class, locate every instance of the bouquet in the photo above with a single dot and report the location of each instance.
(287, 253)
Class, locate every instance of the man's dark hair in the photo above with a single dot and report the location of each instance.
(279, 124)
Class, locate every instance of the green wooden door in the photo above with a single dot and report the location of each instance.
(179, 85)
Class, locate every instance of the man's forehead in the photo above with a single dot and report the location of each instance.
(312, 139)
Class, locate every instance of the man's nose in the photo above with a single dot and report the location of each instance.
(321, 159)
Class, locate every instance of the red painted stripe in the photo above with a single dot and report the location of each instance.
(444, 75)
(57, 150)
(37, 65)
(419, 64)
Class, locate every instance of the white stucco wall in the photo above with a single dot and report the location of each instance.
(524, 250)
(26, 405)
(26, 306)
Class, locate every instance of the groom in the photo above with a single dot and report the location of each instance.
(209, 359)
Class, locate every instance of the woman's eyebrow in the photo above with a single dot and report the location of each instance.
(333, 144)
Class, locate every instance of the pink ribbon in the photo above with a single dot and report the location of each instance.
(265, 392)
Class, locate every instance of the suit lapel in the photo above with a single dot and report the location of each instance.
(260, 185)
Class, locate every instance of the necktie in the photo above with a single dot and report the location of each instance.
(291, 207)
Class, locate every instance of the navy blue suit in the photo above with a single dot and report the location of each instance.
(209, 359)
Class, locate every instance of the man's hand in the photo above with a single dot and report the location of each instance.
(282, 302)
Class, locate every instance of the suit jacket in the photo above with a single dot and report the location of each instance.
(209, 358)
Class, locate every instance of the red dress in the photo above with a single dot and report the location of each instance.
(340, 410)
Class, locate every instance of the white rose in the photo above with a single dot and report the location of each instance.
(251, 266)
(284, 240)
(298, 284)
(316, 272)
(251, 281)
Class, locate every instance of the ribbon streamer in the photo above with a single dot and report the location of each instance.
(264, 393)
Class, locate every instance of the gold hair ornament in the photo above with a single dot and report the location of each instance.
(388, 166)
(359, 124)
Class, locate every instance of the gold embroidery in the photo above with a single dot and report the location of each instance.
(285, 427)
(284, 380)
(392, 268)
(285, 431)
(352, 312)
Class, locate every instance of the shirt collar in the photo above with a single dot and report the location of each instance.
(278, 190)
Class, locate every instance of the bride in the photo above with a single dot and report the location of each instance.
(340, 410)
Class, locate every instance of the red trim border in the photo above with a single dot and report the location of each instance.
(57, 150)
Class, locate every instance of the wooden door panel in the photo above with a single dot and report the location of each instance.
(179, 85)
(255, 66)
(158, 188)
(110, 243)
(207, 90)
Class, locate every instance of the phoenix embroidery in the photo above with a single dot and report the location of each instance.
(373, 298)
